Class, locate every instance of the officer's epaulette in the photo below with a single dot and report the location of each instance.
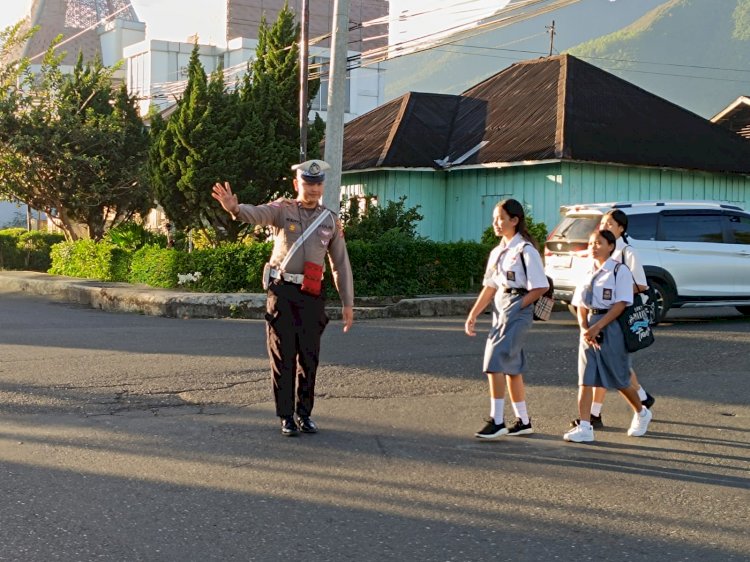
(282, 202)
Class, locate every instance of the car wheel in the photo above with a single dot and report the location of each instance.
(744, 310)
(664, 297)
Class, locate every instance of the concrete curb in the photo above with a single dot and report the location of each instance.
(142, 299)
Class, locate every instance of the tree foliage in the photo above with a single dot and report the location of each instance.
(71, 145)
(372, 222)
(247, 135)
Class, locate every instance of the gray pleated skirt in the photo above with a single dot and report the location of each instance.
(503, 352)
(608, 366)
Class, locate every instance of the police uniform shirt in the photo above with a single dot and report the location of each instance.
(624, 253)
(606, 289)
(289, 220)
(504, 267)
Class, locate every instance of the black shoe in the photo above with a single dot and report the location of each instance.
(596, 422)
(520, 428)
(649, 401)
(288, 427)
(306, 425)
(491, 430)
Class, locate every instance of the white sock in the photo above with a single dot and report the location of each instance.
(642, 393)
(584, 424)
(596, 409)
(520, 409)
(497, 405)
(643, 412)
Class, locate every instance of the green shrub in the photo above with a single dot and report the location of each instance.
(132, 236)
(22, 249)
(90, 260)
(10, 254)
(396, 265)
(230, 268)
(375, 221)
(156, 266)
(393, 265)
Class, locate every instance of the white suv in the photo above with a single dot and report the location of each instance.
(695, 253)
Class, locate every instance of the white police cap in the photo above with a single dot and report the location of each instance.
(312, 171)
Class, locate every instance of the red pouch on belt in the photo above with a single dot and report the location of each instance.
(313, 276)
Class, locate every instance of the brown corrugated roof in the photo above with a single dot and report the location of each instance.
(406, 132)
(552, 108)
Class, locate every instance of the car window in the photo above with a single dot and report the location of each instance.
(691, 228)
(643, 227)
(576, 228)
(740, 226)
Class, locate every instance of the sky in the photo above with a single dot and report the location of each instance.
(171, 20)
(412, 19)
(175, 20)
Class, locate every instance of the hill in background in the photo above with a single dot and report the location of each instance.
(451, 69)
(702, 47)
(694, 53)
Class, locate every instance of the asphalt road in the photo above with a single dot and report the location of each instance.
(127, 437)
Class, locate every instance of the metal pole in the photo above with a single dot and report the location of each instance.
(303, 76)
(551, 29)
(336, 100)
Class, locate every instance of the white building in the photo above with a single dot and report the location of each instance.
(157, 73)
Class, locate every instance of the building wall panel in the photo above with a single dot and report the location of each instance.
(458, 204)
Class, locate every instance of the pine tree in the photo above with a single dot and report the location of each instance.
(248, 136)
(197, 147)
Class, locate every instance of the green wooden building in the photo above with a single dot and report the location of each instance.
(548, 132)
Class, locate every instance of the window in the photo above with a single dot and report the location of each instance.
(578, 228)
(740, 227)
(643, 227)
(321, 65)
(692, 228)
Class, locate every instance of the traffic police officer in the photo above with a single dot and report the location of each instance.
(295, 309)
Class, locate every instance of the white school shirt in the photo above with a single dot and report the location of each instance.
(607, 288)
(630, 259)
(504, 267)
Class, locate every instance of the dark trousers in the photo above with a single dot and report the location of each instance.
(294, 324)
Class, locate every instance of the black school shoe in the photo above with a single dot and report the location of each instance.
(520, 428)
(596, 422)
(288, 427)
(491, 430)
(306, 425)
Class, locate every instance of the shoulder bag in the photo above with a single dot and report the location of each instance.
(635, 322)
(544, 304)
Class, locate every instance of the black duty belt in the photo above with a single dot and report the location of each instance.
(598, 310)
(514, 291)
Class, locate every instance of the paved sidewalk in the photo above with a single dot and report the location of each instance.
(124, 297)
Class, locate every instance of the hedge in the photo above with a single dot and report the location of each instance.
(393, 265)
(92, 260)
(30, 250)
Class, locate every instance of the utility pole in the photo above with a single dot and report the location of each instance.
(551, 30)
(334, 153)
(303, 77)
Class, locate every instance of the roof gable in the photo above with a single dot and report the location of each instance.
(608, 119)
(553, 108)
(410, 131)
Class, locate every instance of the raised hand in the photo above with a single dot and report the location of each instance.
(228, 200)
